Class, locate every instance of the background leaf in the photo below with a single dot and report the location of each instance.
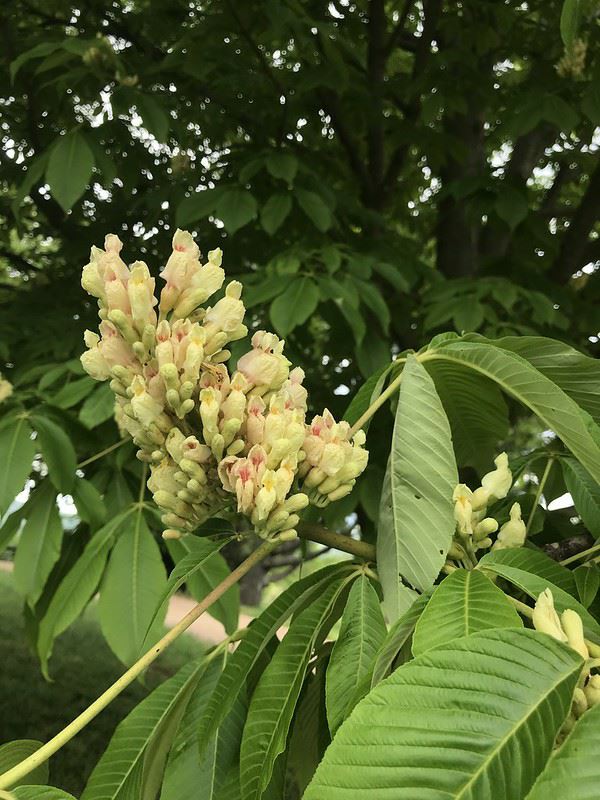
(12, 753)
(57, 452)
(69, 169)
(17, 451)
(295, 305)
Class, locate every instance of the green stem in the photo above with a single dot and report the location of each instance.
(538, 494)
(102, 453)
(376, 404)
(584, 554)
(12, 776)
(316, 533)
(522, 608)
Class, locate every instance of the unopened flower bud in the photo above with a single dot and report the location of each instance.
(545, 619)
(573, 628)
(499, 481)
(592, 690)
(513, 532)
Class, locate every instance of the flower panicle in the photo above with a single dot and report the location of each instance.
(212, 437)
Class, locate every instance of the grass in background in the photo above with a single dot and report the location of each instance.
(82, 667)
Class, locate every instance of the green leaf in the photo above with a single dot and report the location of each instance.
(274, 699)
(120, 772)
(17, 451)
(468, 316)
(211, 573)
(34, 173)
(536, 562)
(295, 305)
(570, 21)
(462, 721)
(309, 735)
(57, 452)
(315, 209)
(40, 793)
(12, 753)
(236, 208)
(511, 206)
(416, 516)
(11, 526)
(361, 634)
(69, 169)
(39, 544)
(587, 579)
(372, 297)
(187, 775)
(198, 206)
(531, 388)
(476, 410)
(258, 636)
(577, 374)
(465, 602)
(283, 166)
(72, 393)
(89, 502)
(533, 585)
(156, 120)
(367, 394)
(397, 636)
(76, 588)
(274, 212)
(585, 492)
(134, 581)
(573, 771)
(39, 51)
(98, 406)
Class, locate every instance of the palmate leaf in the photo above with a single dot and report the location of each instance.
(39, 544)
(233, 678)
(211, 568)
(124, 767)
(465, 602)
(573, 771)
(476, 410)
(536, 562)
(517, 377)
(577, 374)
(77, 588)
(28, 792)
(188, 563)
(416, 517)
(585, 492)
(474, 719)
(361, 634)
(534, 585)
(17, 451)
(275, 697)
(12, 753)
(397, 636)
(132, 585)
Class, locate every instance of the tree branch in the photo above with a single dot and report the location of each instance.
(316, 533)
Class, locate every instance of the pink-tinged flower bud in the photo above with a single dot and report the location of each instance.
(255, 420)
(296, 395)
(145, 407)
(195, 451)
(545, 619)
(140, 290)
(513, 532)
(265, 366)
(498, 482)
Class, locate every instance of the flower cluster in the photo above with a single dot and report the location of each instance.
(473, 527)
(568, 628)
(211, 438)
